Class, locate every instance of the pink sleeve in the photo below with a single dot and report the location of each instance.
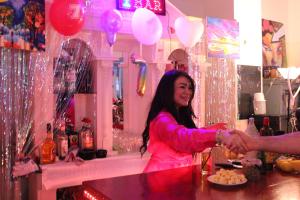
(180, 138)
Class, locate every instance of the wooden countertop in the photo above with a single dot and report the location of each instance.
(188, 183)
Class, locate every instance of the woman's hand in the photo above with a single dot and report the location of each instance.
(233, 141)
(252, 143)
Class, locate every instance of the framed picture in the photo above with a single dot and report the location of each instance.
(22, 24)
(222, 38)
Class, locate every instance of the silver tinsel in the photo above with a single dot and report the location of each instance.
(196, 69)
(220, 92)
(16, 83)
(24, 78)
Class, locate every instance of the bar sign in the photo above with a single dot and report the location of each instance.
(157, 6)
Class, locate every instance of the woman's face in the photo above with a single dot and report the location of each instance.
(182, 91)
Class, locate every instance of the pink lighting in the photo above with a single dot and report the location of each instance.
(157, 6)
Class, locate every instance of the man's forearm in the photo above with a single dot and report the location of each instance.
(288, 143)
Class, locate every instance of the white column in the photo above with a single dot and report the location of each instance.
(103, 81)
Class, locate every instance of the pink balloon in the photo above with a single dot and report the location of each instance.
(111, 23)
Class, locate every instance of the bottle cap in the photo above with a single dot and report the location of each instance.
(266, 121)
(251, 120)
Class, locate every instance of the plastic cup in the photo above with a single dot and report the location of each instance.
(259, 96)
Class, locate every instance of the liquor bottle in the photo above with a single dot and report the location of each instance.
(86, 135)
(266, 130)
(62, 143)
(72, 135)
(48, 148)
(267, 158)
(252, 131)
(57, 132)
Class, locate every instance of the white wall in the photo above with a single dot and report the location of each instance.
(248, 14)
(293, 41)
(203, 8)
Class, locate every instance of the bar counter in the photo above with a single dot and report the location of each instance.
(188, 183)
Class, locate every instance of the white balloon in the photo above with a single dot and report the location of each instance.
(188, 30)
(146, 26)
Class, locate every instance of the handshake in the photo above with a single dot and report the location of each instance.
(240, 142)
(236, 140)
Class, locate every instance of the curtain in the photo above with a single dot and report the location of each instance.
(220, 92)
(16, 94)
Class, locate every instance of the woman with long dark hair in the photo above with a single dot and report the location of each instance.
(170, 130)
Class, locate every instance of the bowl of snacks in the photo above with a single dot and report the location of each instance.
(227, 178)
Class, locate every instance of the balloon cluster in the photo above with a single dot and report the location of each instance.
(67, 17)
(141, 80)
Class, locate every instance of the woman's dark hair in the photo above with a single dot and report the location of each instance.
(164, 100)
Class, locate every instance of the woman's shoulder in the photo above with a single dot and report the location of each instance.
(163, 119)
(164, 115)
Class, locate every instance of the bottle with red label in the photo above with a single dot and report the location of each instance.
(267, 158)
(72, 134)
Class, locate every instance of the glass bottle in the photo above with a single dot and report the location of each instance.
(72, 135)
(48, 147)
(267, 158)
(252, 131)
(57, 132)
(62, 143)
(266, 130)
(86, 135)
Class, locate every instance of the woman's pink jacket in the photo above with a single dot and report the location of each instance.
(172, 145)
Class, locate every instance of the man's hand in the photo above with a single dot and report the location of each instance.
(234, 142)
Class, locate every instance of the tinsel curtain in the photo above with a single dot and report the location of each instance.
(24, 76)
(220, 92)
(16, 94)
(196, 68)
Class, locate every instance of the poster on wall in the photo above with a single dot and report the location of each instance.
(273, 47)
(22, 24)
(222, 38)
(156, 6)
